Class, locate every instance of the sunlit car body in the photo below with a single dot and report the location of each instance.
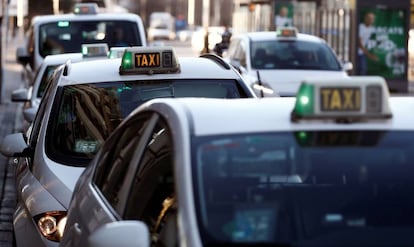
(259, 172)
(82, 105)
(65, 33)
(275, 65)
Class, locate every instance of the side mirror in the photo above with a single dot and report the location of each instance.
(29, 114)
(22, 56)
(20, 95)
(121, 234)
(347, 66)
(14, 145)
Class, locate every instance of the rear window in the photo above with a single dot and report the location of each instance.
(293, 54)
(84, 115)
(68, 36)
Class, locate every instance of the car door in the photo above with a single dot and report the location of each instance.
(151, 197)
(97, 196)
(24, 176)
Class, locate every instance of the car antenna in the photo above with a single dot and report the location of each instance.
(260, 84)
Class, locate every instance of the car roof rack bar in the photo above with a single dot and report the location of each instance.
(216, 59)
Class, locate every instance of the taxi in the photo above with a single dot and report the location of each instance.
(83, 103)
(32, 95)
(332, 166)
(65, 33)
(275, 63)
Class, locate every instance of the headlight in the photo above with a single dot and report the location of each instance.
(51, 224)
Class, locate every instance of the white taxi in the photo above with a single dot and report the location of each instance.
(65, 33)
(332, 167)
(32, 95)
(275, 63)
(82, 105)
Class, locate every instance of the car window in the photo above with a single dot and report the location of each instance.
(68, 36)
(316, 183)
(293, 54)
(112, 168)
(45, 80)
(152, 198)
(85, 114)
(36, 125)
(37, 122)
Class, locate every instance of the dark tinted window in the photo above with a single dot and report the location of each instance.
(152, 198)
(307, 188)
(84, 115)
(68, 36)
(45, 80)
(293, 54)
(116, 158)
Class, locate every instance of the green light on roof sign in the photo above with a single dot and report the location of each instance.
(63, 24)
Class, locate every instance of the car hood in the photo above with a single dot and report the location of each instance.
(287, 82)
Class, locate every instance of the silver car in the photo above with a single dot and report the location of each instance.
(65, 33)
(32, 95)
(82, 105)
(275, 63)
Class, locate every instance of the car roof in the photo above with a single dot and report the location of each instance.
(41, 19)
(102, 70)
(269, 35)
(218, 116)
(62, 58)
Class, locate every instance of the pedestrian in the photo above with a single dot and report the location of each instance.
(366, 32)
(221, 47)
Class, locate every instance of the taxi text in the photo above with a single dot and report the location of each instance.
(340, 99)
(147, 59)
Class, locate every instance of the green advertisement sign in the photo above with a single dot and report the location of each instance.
(384, 43)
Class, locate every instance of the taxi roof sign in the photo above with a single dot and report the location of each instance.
(287, 32)
(95, 50)
(116, 52)
(345, 99)
(149, 60)
(85, 8)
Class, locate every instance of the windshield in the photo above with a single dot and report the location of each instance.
(293, 54)
(84, 115)
(68, 36)
(308, 188)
